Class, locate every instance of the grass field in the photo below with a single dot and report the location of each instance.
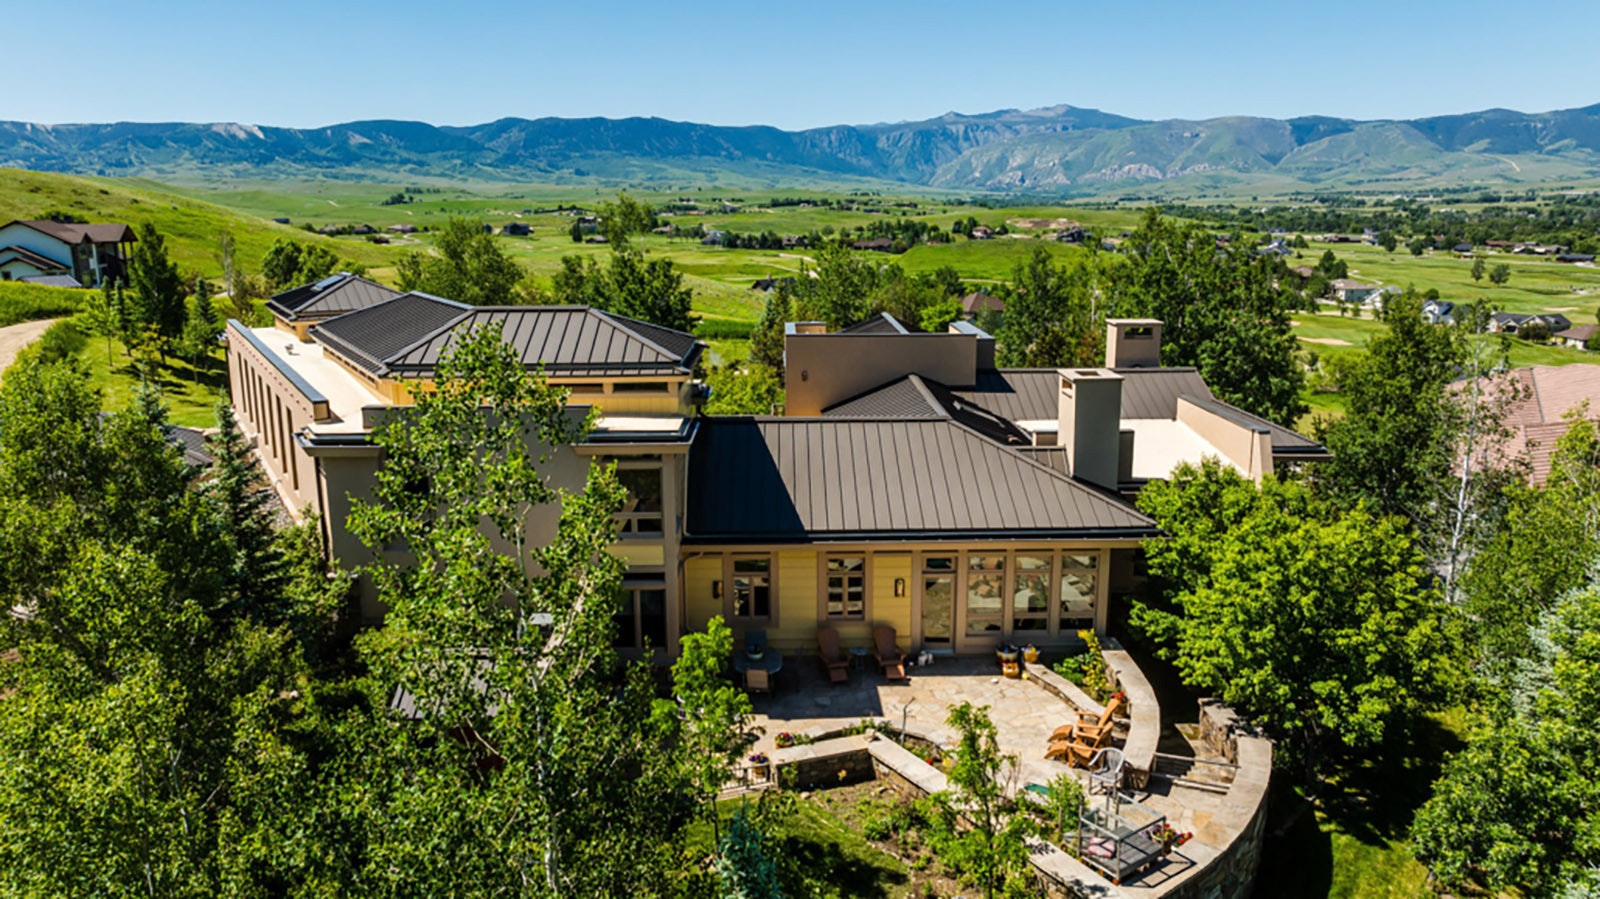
(191, 395)
(192, 227)
(31, 302)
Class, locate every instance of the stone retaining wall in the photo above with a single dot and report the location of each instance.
(1232, 874)
(825, 763)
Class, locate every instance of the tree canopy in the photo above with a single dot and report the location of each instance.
(468, 266)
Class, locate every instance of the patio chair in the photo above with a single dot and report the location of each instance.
(889, 656)
(757, 680)
(1089, 724)
(1080, 749)
(1105, 771)
(833, 660)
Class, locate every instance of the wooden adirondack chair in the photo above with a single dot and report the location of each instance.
(833, 660)
(1080, 749)
(894, 664)
(1089, 724)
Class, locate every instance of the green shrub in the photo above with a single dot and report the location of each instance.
(20, 302)
(62, 340)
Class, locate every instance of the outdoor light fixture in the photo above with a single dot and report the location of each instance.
(899, 586)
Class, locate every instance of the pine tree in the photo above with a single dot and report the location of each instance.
(255, 578)
(158, 287)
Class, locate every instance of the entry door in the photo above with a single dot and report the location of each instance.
(938, 603)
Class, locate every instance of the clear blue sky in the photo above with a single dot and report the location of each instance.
(794, 65)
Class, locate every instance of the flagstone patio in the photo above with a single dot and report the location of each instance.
(1025, 714)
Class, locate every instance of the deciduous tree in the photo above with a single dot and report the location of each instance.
(470, 267)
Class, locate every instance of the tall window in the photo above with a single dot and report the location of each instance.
(752, 587)
(641, 477)
(641, 618)
(986, 580)
(1030, 598)
(847, 587)
(1078, 590)
(938, 599)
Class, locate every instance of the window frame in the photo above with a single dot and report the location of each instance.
(825, 574)
(628, 522)
(632, 590)
(730, 575)
(1046, 576)
(1065, 565)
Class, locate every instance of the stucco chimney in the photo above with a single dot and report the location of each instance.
(1133, 343)
(1089, 424)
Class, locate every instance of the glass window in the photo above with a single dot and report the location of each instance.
(653, 615)
(847, 587)
(641, 618)
(986, 580)
(640, 387)
(939, 563)
(1078, 590)
(641, 512)
(752, 587)
(1030, 598)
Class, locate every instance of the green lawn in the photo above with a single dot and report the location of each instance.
(1350, 839)
(191, 396)
(817, 854)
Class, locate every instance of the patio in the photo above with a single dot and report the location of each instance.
(1025, 714)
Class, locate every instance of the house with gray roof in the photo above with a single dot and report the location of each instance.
(909, 482)
(301, 307)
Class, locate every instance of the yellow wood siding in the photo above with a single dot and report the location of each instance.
(632, 404)
(639, 554)
(885, 607)
(797, 601)
(698, 574)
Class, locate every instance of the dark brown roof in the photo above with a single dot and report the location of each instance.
(913, 396)
(882, 323)
(72, 232)
(800, 479)
(43, 263)
(1576, 332)
(333, 295)
(567, 340)
(1030, 394)
(368, 337)
(978, 301)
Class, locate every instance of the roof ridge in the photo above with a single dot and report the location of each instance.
(616, 321)
(1093, 491)
(447, 326)
(918, 382)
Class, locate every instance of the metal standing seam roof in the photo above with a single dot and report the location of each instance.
(913, 396)
(368, 337)
(331, 296)
(1030, 394)
(781, 479)
(882, 323)
(566, 340)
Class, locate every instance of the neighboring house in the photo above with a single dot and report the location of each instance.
(1356, 293)
(981, 232)
(1278, 247)
(1544, 396)
(1462, 249)
(1439, 312)
(1575, 257)
(1515, 322)
(876, 244)
(910, 483)
(1073, 234)
(1578, 336)
(713, 238)
(87, 253)
(301, 307)
(978, 302)
(516, 229)
(768, 284)
(402, 228)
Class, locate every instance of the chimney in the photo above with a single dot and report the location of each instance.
(985, 343)
(1089, 424)
(1133, 343)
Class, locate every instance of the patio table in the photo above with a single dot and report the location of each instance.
(771, 661)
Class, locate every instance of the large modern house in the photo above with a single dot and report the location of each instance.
(64, 253)
(910, 481)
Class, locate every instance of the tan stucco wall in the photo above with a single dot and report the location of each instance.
(884, 607)
(270, 411)
(1246, 447)
(699, 606)
(824, 369)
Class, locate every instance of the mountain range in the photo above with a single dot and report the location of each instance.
(1058, 150)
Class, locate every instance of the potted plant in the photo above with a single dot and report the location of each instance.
(1030, 653)
(1006, 652)
(785, 740)
(1170, 837)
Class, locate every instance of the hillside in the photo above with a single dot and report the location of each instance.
(191, 227)
(1061, 150)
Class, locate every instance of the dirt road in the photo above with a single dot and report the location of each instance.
(15, 337)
